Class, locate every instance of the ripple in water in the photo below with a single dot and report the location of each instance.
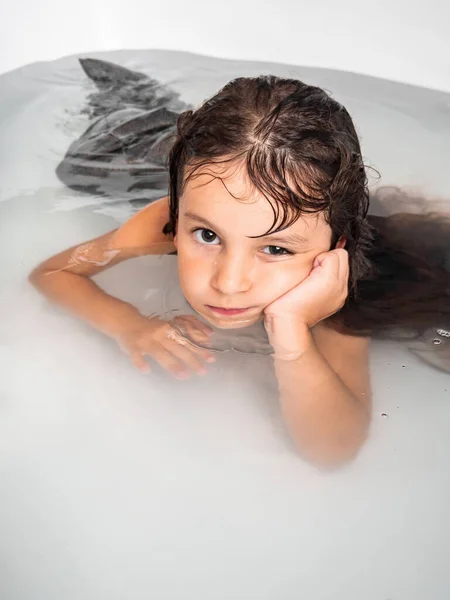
(246, 340)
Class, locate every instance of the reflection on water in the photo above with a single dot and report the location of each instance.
(246, 340)
(119, 485)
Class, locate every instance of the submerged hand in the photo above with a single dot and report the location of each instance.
(162, 342)
(316, 298)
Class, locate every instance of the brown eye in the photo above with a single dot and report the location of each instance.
(206, 236)
(276, 251)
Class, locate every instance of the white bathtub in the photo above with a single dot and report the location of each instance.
(120, 487)
(403, 40)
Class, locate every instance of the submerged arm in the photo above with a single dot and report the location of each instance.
(325, 394)
(65, 278)
(323, 375)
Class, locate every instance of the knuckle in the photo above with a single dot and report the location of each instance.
(171, 365)
(190, 356)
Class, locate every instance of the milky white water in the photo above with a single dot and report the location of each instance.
(117, 485)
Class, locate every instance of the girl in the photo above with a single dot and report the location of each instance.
(267, 211)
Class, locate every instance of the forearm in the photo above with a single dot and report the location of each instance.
(327, 421)
(81, 297)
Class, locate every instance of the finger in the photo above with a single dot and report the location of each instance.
(194, 327)
(343, 258)
(203, 353)
(325, 259)
(195, 334)
(335, 262)
(344, 266)
(174, 336)
(168, 361)
(188, 356)
(343, 273)
(193, 356)
(139, 362)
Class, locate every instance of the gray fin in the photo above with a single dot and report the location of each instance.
(105, 74)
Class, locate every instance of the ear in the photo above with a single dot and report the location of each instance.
(175, 241)
(341, 242)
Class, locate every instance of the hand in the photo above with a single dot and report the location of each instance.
(160, 340)
(316, 298)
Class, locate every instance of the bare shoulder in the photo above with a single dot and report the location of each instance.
(348, 356)
(144, 229)
(139, 236)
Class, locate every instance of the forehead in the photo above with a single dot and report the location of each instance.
(226, 196)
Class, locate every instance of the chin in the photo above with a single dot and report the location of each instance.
(230, 323)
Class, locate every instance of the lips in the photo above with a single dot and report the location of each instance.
(228, 311)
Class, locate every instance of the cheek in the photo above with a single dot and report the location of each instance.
(192, 269)
(285, 277)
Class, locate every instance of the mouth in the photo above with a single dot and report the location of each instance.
(227, 311)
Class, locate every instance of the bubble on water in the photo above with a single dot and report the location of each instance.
(443, 333)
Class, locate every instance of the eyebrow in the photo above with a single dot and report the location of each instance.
(293, 239)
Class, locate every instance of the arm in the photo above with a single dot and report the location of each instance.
(323, 375)
(325, 394)
(65, 278)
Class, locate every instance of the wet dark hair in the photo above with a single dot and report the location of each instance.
(299, 147)
(301, 151)
(408, 289)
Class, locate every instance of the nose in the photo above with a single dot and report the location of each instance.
(233, 273)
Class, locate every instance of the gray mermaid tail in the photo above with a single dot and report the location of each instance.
(124, 151)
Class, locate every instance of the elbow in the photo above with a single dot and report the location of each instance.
(34, 277)
(334, 460)
(333, 452)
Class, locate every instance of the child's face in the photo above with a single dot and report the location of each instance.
(221, 267)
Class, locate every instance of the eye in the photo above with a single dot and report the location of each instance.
(206, 236)
(277, 251)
